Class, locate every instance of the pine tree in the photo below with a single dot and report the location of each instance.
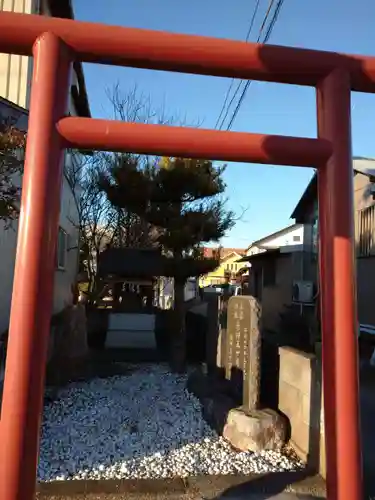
(183, 198)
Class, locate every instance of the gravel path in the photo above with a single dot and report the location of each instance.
(143, 425)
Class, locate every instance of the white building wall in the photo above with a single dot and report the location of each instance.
(293, 237)
(15, 78)
(69, 222)
(8, 240)
(63, 278)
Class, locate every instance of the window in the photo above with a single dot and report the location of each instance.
(366, 230)
(61, 248)
(296, 238)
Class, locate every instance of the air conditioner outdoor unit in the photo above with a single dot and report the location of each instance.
(303, 292)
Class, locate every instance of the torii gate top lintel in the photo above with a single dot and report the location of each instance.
(160, 50)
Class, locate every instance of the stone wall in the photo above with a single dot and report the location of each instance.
(301, 400)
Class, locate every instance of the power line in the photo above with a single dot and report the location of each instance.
(247, 39)
(271, 2)
(248, 83)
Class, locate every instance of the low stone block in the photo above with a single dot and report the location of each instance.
(297, 365)
(255, 430)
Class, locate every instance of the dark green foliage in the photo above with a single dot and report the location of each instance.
(181, 197)
(183, 200)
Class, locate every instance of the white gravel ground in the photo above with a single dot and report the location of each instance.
(144, 425)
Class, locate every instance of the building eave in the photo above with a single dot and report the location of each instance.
(365, 166)
(64, 10)
(276, 234)
(309, 195)
(229, 256)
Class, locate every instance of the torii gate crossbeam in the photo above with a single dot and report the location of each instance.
(55, 44)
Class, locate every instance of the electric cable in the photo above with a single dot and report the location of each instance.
(246, 39)
(248, 82)
(271, 2)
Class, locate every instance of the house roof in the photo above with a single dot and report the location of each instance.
(131, 262)
(272, 252)
(280, 232)
(225, 252)
(269, 253)
(231, 254)
(64, 9)
(242, 271)
(365, 166)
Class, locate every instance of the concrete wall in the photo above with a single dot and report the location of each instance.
(288, 267)
(301, 400)
(274, 297)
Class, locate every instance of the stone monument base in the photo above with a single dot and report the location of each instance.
(255, 430)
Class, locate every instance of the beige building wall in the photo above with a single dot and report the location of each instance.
(362, 199)
(365, 265)
(15, 70)
(274, 297)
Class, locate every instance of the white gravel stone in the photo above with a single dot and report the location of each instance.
(143, 425)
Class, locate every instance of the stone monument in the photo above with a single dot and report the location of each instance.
(248, 427)
(242, 360)
(230, 389)
(216, 334)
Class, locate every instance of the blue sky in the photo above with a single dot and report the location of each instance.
(269, 193)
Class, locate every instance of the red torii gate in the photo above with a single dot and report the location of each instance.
(55, 43)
